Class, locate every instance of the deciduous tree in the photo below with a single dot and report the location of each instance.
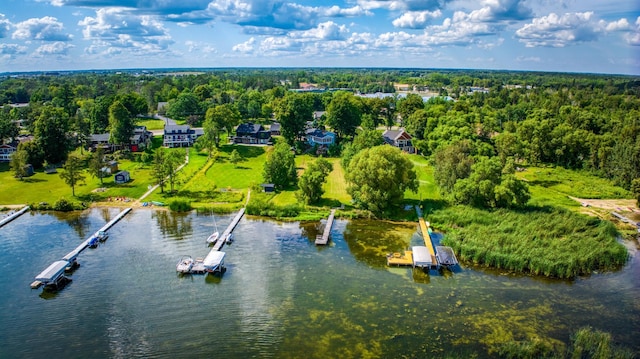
(73, 172)
(344, 113)
(312, 179)
(51, 129)
(121, 123)
(293, 111)
(280, 166)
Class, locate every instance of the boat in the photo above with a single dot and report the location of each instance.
(185, 264)
(102, 236)
(213, 238)
(229, 238)
(93, 242)
(214, 262)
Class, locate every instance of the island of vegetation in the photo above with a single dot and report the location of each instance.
(505, 163)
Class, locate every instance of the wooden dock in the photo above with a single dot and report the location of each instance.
(13, 216)
(424, 228)
(227, 232)
(398, 259)
(324, 239)
(71, 257)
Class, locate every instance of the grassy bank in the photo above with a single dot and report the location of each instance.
(542, 241)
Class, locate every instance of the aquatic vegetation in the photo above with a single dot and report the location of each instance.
(549, 242)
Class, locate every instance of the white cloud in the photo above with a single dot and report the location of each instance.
(5, 25)
(633, 37)
(497, 10)
(46, 29)
(571, 28)
(117, 28)
(416, 19)
(460, 30)
(245, 47)
(195, 46)
(12, 49)
(325, 31)
(403, 5)
(528, 59)
(55, 48)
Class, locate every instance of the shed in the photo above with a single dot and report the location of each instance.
(122, 177)
(421, 257)
(268, 187)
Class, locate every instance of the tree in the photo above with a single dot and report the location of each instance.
(72, 174)
(635, 189)
(410, 104)
(312, 179)
(165, 165)
(235, 157)
(344, 113)
(364, 139)
(452, 163)
(280, 166)
(51, 129)
(121, 123)
(185, 105)
(96, 163)
(8, 128)
(377, 178)
(293, 111)
(217, 119)
(19, 163)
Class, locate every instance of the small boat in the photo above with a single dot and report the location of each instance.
(185, 264)
(213, 238)
(229, 238)
(93, 242)
(102, 236)
(156, 203)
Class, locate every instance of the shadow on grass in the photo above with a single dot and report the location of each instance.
(244, 151)
(33, 180)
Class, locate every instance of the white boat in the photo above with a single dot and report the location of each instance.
(214, 262)
(102, 236)
(213, 238)
(229, 238)
(185, 264)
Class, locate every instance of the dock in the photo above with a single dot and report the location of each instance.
(399, 259)
(13, 216)
(53, 276)
(214, 261)
(324, 239)
(424, 229)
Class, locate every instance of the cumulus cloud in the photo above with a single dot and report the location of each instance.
(12, 49)
(416, 19)
(115, 28)
(571, 28)
(633, 37)
(459, 30)
(58, 48)
(196, 46)
(5, 25)
(497, 10)
(245, 47)
(46, 29)
(403, 5)
(325, 31)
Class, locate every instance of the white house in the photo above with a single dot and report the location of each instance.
(180, 135)
(320, 137)
(5, 152)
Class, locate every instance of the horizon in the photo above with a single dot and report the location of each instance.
(564, 36)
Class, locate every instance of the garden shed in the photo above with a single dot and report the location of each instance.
(122, 177)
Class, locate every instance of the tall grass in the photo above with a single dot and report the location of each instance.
(542, 241)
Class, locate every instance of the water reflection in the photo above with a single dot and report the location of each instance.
(174, 224)
(78, 220)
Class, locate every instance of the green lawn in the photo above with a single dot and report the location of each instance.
(151, 124)
(427, 186)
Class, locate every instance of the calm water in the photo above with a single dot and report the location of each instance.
(281, 297)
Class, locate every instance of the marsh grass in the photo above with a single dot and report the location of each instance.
(543, 241)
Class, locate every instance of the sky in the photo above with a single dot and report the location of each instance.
(540, 35)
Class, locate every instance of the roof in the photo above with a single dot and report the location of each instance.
(122, 173)
(52, 272)
(319, 133)
(396, 134)
(421, 256)
(176, 128)
(100, 137)
(249, 127)
(197, 131)
(213, 259)
(275, 126)
(265, 185)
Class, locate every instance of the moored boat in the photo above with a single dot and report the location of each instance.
(102, 236)
(185, 264)
(213, 238)
(93, 242)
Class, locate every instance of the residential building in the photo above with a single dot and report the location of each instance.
(317, 137)
(275, 129)
(399, 138)
(6, 151)
(180, 135)
(251, 133)
(139, 141)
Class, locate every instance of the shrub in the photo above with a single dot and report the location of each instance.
(180, 205)
(63, 205)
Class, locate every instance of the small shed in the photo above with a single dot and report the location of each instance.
(268, 187)
(122, 177)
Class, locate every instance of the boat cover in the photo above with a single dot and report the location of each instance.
(421, 256)
(52, 272)
(213, 259)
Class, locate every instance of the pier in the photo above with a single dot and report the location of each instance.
(53, 275)
(214, 261)
(13, 216)
(322, 240)
(424, 229)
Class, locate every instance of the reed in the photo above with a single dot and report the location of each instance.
(542, 241)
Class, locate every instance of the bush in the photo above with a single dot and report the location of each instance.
(180, 205)
(63, 205)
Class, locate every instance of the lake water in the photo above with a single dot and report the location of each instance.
(281, 296)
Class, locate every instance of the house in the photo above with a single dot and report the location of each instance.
(275, 129)
(100, 140)
(399, 138)
(122, 177)
(141, 139)
(180, 135)
(6, 151)
(268, 187)
(321, 138)
(250, 133)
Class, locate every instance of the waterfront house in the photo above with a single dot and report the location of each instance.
(180, 135)
(320, 138)
(251, 133)
(6, 151)
(399, 138)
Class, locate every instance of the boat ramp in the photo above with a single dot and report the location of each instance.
(53, 276)
(324, 238)
(13, 216)
(214, 261)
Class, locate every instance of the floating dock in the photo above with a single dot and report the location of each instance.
(227, 232)
(13, 216)
(399, 259)
(324, 239)
(53, 276)
(446, 256)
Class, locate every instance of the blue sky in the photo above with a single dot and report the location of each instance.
(545, 35)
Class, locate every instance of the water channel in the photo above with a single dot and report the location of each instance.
(281, 297)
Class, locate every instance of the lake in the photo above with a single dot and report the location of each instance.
(281, 296)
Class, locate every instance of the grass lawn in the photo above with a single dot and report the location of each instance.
(151, 124)
(427, 188)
